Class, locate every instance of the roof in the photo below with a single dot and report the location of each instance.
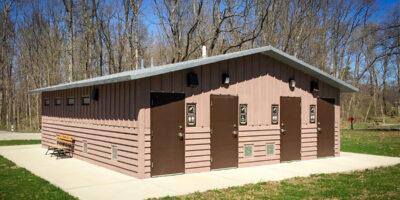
(157, 70)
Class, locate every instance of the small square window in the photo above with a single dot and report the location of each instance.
(85, 100)
(46, 102)
(248, 150)
(85, 146)
(70, 101)
(114, 152)
(57, 102)
(270, 149)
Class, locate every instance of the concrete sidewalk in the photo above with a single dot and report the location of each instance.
(6, 135)
(88, 181)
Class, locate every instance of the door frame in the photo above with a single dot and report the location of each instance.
(236, 98)
(151, 132)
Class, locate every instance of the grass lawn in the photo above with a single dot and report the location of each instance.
(380, 183)
(371, 142)
(18, 142)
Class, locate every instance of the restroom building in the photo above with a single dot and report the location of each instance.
(248, 108)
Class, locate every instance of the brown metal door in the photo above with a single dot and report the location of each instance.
(326, 127)
(290, 128)
(167, 133)
(224, 130)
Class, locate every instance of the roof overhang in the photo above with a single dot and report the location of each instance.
(153, 71)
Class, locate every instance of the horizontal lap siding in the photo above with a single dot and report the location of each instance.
(110, 121)
(259, 139)
(99, 143)
(308, 143)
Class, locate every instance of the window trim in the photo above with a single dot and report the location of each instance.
(56, 101)
(46, 102)
(68, 103)
(83, 101)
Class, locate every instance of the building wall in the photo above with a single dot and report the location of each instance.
(259, 81)
(110, 121)
(122, 114)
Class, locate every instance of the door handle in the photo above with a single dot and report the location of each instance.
(235, 132)
(283, 131)
(180, 135)
(319, 129)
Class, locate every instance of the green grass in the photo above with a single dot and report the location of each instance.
(19, 183)
(18, 142)
(371, 142)
(379, 183)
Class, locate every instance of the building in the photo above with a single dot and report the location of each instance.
(247, 108)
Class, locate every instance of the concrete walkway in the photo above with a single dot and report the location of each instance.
(88, 181)
(5, 135)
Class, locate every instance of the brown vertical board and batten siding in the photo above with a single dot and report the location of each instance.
(257, 80)
(98, 127)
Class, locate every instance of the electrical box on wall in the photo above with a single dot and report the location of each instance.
(191, 114)
(243, 114)
(274, 114)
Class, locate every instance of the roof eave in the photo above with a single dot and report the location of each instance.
(311, 70)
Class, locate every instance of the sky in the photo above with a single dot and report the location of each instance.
(150, 20)
(383, 6)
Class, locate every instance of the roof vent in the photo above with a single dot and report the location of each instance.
(204, 51)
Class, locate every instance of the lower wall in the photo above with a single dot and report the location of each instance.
(99, 137)
(197, 146)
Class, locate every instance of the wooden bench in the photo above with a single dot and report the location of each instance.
(64, 146)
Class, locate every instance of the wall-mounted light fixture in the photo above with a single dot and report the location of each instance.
(314, 88)
(95, 94)
(243, 114)
(191, 114)
(274, 114)
(225, 79)
(292, 83)
(192, 80)
(312, 114)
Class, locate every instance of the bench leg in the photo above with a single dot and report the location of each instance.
(48, 149)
